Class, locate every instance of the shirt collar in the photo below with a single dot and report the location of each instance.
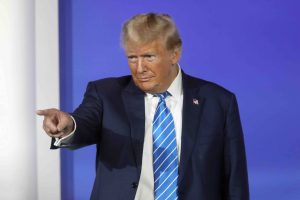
(175, 88)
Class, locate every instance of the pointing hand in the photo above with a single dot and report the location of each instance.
(56, 123)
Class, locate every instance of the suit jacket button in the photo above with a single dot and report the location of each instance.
(134, 185)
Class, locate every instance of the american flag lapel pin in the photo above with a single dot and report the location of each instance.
(195, 102)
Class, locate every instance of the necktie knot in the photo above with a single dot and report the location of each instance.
(163, 96)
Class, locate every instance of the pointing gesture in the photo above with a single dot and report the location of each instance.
(56, 123)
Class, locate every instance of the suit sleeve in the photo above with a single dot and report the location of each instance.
(236, 177)
(88, 118)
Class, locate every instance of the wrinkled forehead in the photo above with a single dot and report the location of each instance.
(142, 46)
(140, 41)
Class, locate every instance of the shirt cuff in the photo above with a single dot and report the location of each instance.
(64, 141)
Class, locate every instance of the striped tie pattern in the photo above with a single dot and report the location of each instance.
(165, 155)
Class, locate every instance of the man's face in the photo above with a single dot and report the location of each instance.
(152, 66)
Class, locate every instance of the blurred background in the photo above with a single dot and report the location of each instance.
(50, 50)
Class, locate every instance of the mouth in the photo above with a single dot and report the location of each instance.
(144, 79)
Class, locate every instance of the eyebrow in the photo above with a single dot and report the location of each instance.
(144, 54)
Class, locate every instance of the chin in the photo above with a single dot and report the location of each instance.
(147, 88)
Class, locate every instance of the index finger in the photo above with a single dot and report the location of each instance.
(42, 112)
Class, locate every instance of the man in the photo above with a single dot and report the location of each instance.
(160, 133)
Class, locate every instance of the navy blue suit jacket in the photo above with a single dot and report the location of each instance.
(212, 164)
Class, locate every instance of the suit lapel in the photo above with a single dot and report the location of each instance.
(133, 99)
(191, 116)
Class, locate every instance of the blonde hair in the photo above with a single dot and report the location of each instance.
(149, 27)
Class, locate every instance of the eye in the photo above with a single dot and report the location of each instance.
(150, 57)
(132, 59)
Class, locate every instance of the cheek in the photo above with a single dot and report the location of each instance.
(163, 70)
(158, 68)
(132, 68)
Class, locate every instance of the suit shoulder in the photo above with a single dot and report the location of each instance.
(209, 88)
(111, 84)
(216, 96)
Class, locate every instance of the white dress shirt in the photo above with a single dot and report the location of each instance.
(174, 103)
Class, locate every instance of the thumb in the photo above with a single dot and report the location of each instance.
(65, 123)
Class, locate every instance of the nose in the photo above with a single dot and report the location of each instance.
(141, 67)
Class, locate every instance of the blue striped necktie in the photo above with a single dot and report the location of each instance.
(165, 155)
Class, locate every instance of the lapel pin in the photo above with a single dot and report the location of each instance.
(195, 102)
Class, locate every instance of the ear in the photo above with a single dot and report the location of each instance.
(175, 55)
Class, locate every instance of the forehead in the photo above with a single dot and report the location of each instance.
(138, 47)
